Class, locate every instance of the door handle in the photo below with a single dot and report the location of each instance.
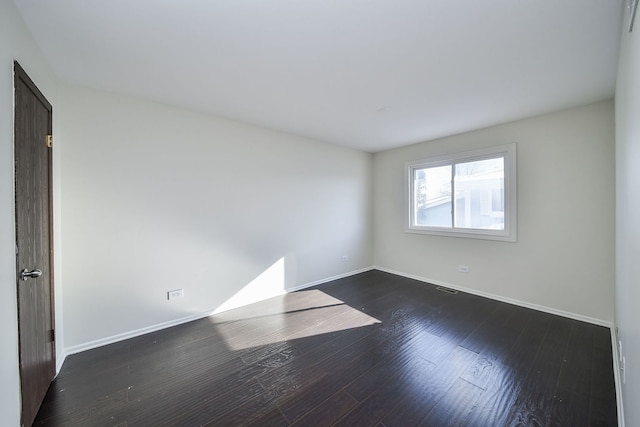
(26, 274)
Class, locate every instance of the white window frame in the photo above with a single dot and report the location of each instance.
(509, 234)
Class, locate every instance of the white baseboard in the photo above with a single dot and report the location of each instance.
(60, 361)
(131, 334)
(525, 304)
(135, 333)
(616, 377)
(329, 279)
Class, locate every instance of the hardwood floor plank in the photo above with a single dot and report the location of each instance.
(372, 409)
(108, 357)
(226, 375)
(171, 338)
(602, 338)
(309, 398)
(341, 370)
(199, 352)
(462, 316)
(602, 412)
(602, 380)
(103, 411)
(569, 409)
(494, 405)
(289, 379)
(387, 370)
(71, 388)
(561, 329)
(483, 371)
(576, 369)
(389, 392)
(494, 342)
(602, 409)
(427, 390)
(342, 367)
(535, 400)
(266, 351)
(194, 407)
(527, 344)
(246, 413)
(370, 349)
(495, 338)
(273, 418)
(454, 406)
(485, 333)
(329, 411)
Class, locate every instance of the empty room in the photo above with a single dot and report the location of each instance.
(318, 213)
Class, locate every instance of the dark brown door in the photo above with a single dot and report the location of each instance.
(34, 277)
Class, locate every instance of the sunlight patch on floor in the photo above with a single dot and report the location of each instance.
(292, 316)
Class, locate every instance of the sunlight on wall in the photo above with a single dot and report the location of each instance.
(263, 313)
(288, 317)
(268, 284)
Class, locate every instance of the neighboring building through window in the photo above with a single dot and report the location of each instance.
(471, 194)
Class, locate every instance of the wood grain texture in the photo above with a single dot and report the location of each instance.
(33, 213)
(428, 358)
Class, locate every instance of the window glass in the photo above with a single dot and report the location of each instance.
(470, 194)
(433, 196)
(479, 188)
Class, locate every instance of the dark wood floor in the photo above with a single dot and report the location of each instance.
(373, 349)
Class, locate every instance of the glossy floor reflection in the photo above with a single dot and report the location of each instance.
(373, 349)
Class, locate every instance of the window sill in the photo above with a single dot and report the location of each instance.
(502, 236)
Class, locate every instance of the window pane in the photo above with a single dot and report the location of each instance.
(432, 198)
(479, 200)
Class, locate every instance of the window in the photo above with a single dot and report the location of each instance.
(471, 194)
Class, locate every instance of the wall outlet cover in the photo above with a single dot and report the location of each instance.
(176, 293)
(620, 350)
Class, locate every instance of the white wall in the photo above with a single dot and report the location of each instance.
(564, 256)
(16, 44)
(628, 216)
(157, 198)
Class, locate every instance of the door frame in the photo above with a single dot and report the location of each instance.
(21, 75)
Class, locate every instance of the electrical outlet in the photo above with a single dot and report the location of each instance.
(620, 350)
(344, 258)
(463, 268)
(176, 293)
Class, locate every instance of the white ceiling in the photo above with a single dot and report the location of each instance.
(370, 74)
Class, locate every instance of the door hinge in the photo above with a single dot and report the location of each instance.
(49, 141)
(52, 335)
